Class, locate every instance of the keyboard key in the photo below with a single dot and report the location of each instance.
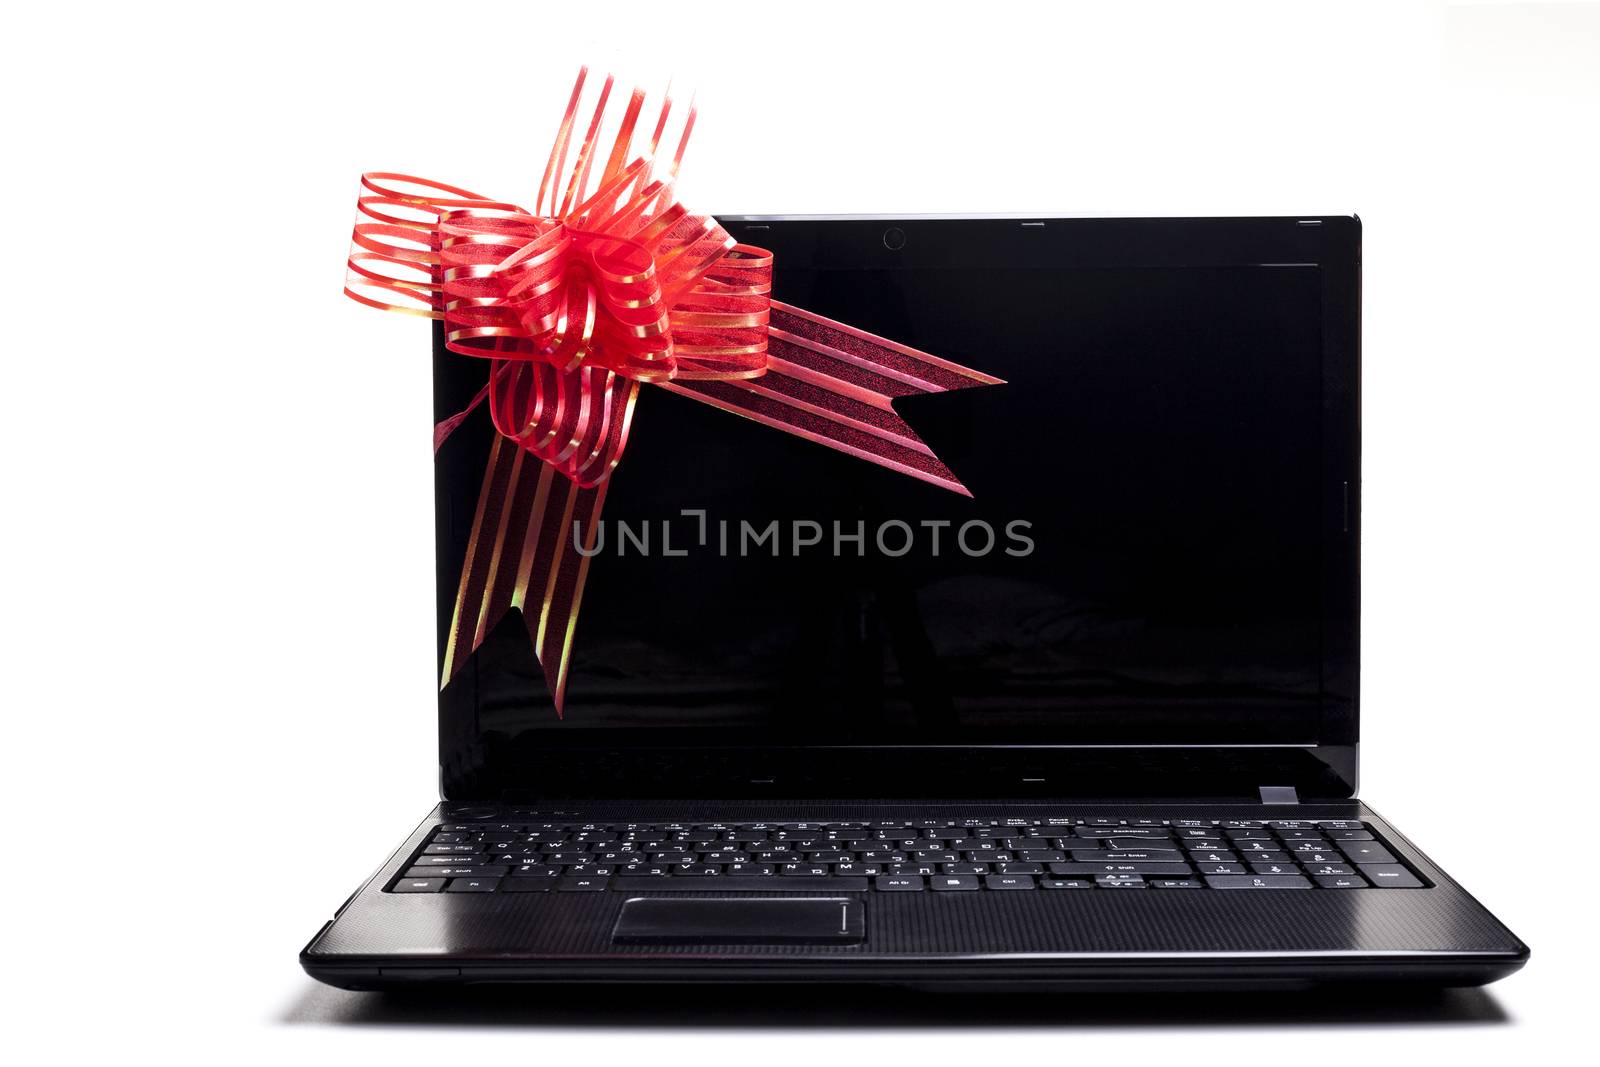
(512, 859)
(778, 852)
(527, 885)
(1367, 852)
(1390, 875)
(963, 868)
(912, 868)
(755, 869)
(1065, 883)
(1201, 832)
(1349, 835)
(642, 858)
(533, 870)
(1120, 881)
(1138, 844)
(1258, 881)
(899, 883)
(1270, 868)
(472, 885)
(1213, 857)
(742, 883)
(418, 885)
(1177, 870)
(858, 870)
(1008, 881)
(1341, 881)
(953, 882)
(475, 871)
(1213, 844)
(1178, 883)
(1319, 869)
(1018, 868)
(1316, 857)
(582, 885)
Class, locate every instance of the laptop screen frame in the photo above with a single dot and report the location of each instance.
(1323, 765)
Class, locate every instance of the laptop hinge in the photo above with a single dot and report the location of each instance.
(1279, 794)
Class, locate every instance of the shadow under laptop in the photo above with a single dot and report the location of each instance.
(874, 1007)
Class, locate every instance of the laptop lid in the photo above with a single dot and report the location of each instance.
(1152, 590)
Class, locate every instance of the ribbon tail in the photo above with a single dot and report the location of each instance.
(524, 553)
(833, 384)
(443, 429)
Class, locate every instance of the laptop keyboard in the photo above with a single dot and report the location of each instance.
(911, 856)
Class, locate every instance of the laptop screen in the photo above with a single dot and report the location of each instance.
(1141, 555)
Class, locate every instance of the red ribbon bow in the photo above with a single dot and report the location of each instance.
(574, 311)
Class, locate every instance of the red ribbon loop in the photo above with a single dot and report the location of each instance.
(574, 310)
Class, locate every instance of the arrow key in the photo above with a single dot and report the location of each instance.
(1120, 881)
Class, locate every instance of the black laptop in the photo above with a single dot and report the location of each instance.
(1095, 725)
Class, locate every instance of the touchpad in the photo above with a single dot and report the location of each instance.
(740, 921)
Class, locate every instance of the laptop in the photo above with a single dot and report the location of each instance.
(1092, 723)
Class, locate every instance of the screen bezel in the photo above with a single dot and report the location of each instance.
(1159, 763)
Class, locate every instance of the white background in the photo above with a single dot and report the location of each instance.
(219, 632)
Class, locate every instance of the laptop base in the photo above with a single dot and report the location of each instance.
(1113, 936)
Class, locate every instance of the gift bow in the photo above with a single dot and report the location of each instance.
(574, 310)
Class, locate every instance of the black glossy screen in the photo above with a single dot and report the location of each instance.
(1151, 474)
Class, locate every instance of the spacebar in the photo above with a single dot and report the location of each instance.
(765, 883)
